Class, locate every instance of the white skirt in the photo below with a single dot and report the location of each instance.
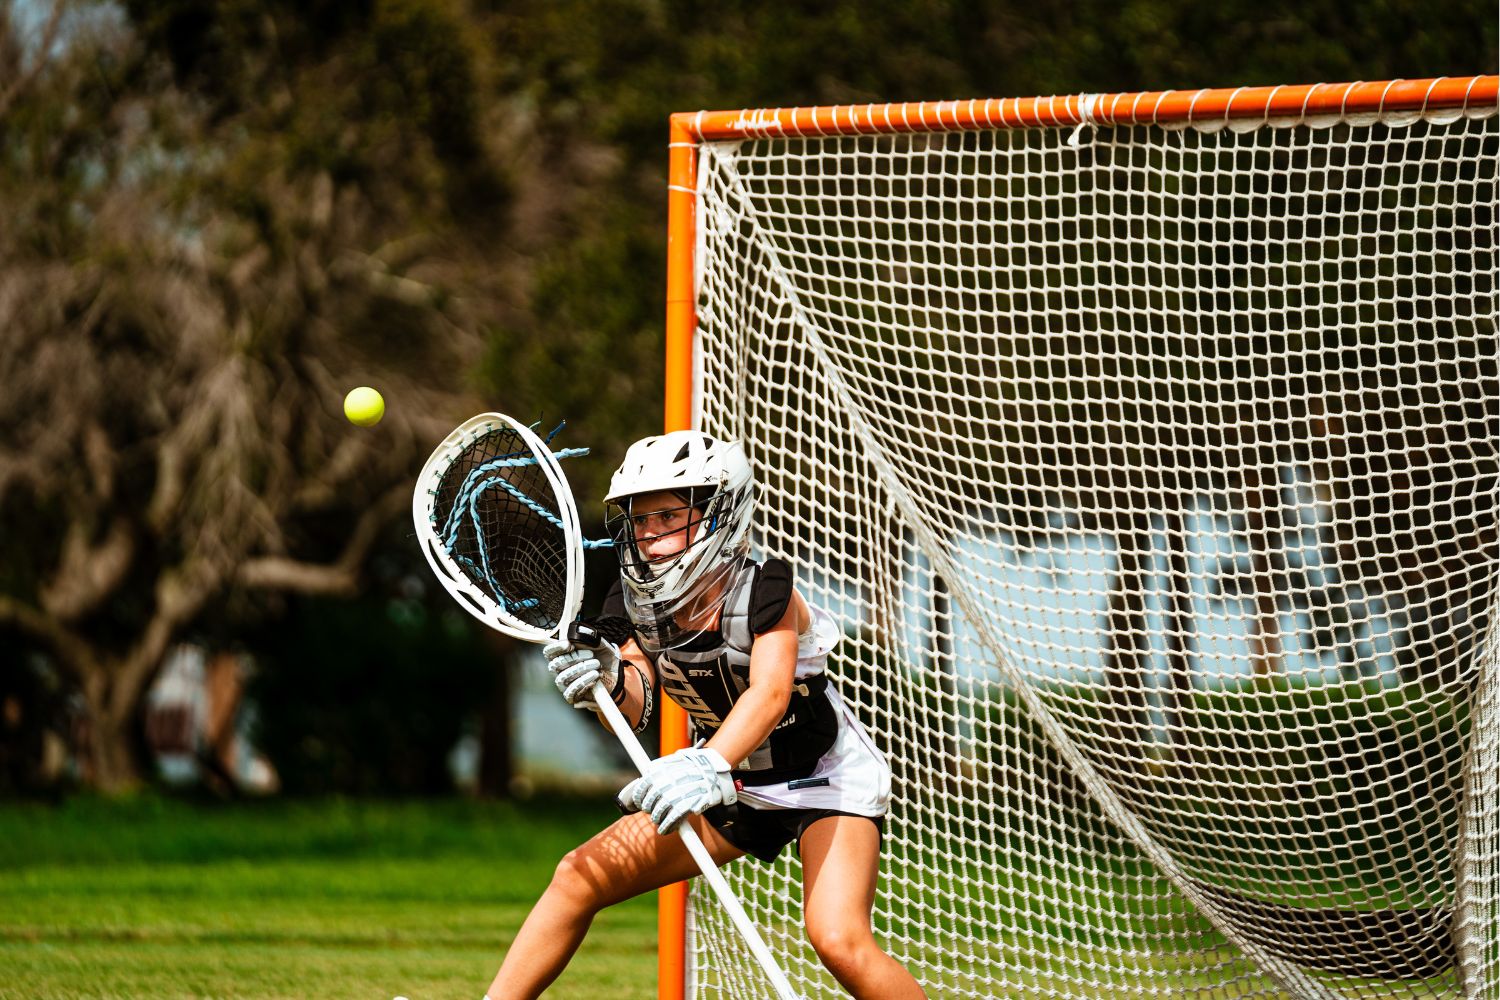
(852, 777)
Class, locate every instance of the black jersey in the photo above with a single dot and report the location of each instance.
(708, 674)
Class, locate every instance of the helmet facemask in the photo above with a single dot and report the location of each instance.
(709, 486)
(690, 583)
(634, 532)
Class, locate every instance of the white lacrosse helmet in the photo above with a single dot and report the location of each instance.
(710, 476)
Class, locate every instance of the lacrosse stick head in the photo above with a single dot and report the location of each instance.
(497, 522)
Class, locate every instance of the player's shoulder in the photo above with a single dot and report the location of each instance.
(770, 594)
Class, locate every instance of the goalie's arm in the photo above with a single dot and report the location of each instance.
(773, 668)
(638, 695)
(695, 779)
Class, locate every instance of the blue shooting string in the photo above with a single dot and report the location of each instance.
(484, 550)
(512, 459)
(473, 487)
(532, 504)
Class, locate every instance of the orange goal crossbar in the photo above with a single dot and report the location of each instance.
(1315, 103)
(1317, 100)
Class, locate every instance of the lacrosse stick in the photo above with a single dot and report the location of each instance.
(497, 522)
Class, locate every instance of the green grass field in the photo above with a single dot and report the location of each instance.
(321, 900)
(162, 899)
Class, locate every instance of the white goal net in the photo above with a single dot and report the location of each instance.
(1153, 473)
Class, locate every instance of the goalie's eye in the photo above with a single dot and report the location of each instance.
(660, 522)
(653, 524)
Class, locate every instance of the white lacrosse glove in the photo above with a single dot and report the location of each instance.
(576, 669)
(679, 785)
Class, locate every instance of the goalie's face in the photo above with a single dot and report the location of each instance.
(679, 510)
(662, 526)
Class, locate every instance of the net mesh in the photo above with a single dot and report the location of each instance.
(1154, 479)
(498, 516)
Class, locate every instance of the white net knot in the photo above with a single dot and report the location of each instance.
(1086, 105)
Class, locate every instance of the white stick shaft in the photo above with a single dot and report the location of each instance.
(700, 854)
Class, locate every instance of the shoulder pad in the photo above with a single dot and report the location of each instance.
(614, 601)
(769, 595)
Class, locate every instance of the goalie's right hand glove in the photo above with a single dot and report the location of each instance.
(576, 669)
(680, 785)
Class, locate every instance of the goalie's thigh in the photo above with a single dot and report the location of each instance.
(840, 865)
(629, 857)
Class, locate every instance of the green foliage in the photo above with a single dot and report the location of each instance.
(598, 364)
(409, 136)
(368, 697)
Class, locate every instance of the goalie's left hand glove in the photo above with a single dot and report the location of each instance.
(679, 785)
(576, 669)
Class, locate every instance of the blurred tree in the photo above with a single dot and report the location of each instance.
(221, 215)
(201, 256)
(368, 696)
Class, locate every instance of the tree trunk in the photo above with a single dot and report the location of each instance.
(110, 752)
(109, 741)
(496, 745)
(945, 673)
(497, 726)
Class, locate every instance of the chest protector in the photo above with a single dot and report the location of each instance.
(708, 674)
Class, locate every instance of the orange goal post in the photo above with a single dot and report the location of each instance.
(1148, 446)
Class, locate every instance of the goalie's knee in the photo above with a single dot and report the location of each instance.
(843, 950)
(578, 885)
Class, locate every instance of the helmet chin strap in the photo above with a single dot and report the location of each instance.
(656, 567)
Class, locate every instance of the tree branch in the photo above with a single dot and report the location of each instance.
(43, 51)
(73, 654)
(180, 595)
(339, 578)
(88, 574)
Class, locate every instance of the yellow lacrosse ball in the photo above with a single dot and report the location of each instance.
(364, 407)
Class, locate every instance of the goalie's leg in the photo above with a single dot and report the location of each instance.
(621, 862)
(840, 860)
